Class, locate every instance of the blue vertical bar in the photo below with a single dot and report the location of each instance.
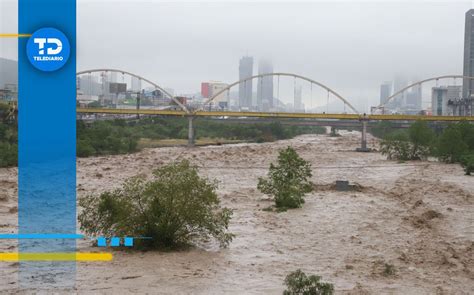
(47, 146)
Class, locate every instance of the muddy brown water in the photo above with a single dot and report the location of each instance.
(417, 217)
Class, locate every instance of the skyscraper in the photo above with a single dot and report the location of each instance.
(298, 99)
(399, 83)
(385, 91)
(468, 85)
(245, 89)
(265, 86)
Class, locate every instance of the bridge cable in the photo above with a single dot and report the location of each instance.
(278, 87)
(327, 104)
(244, 96)
(294, 93)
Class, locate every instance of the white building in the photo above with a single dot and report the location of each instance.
(136, 84)
(216, 87)
(440, 96)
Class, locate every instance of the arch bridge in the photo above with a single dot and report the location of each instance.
(157, 87)
(419, 83)
(278, 75)
(191, 114)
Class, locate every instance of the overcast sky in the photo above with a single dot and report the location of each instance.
(350, 46)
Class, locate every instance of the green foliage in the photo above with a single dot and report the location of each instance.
(105, 137)
(450, 145)
(298, 283)
(388, 269)
(120, 136)
(94, 104)
(414, 144)
(381, 129)
(174, 208)
(396, 146)
(421, 139)
(8, 144)
(467, 133)
(288, 181)
(467, 162)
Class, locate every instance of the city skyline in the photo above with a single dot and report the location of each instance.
(382, 41)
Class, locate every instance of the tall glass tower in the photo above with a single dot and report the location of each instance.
(245, 89)
(468, 85)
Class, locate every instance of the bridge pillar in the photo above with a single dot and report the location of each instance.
(363, 142)
(191, 139)
(138, 105)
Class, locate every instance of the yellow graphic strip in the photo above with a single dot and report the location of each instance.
(12, 257)
(15, 35)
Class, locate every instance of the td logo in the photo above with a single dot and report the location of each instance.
(48, 49)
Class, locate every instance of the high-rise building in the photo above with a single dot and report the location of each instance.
(439, 101)
(136, 84)
(385, 91)
(454, 92)
(399, 83)
(265, 86)
(413, 98)
(468, 85)
(298, 99)
(442, 98)
(245, 89)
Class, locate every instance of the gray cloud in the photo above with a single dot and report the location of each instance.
(350, 46)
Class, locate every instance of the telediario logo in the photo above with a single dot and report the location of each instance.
(48, 49)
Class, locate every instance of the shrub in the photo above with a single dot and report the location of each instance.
(388, 269)
(174, 208)
(396, 146)
(381, 129)
(467, 162)
(450, 145)
(298, 283)
(421, 140)
(8, 154)
(288, 181)
(467, 133)
(84, 148)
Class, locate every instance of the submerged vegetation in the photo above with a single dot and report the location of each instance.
(8, 139)
(288, 180)
(455, 144)
(298, 283)
(120, 136)
(174, 208)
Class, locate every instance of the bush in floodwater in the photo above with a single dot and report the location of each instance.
(174, 208)
(288, 181)
(298, 283)
(467, 163)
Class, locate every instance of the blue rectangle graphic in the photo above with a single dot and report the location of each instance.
(47, 139)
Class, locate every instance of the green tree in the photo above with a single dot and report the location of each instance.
(467, 163)
(467, 133)
(450, 145)
(382, 129)
(8, 154)
(84, 148)
(421, 139)
(396, 146)
(174, 208)
(288, 181)
(298, 283)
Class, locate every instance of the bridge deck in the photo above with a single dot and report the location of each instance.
(274, 115)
